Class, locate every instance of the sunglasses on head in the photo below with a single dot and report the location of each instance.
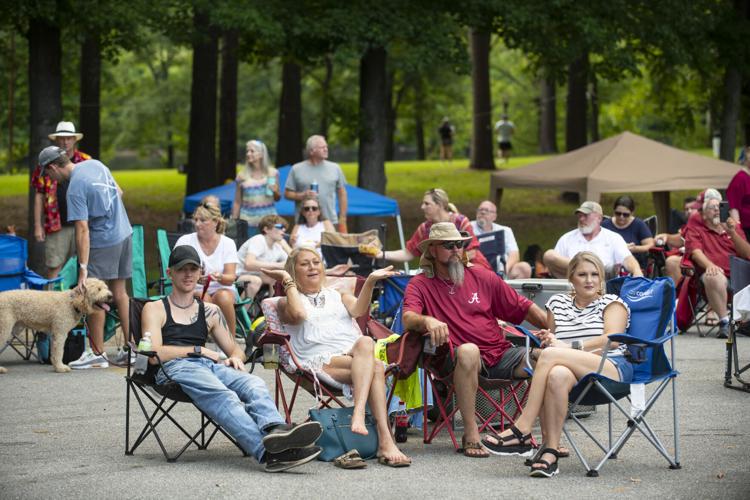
(622, 214)
(450, 245)
(310, 209)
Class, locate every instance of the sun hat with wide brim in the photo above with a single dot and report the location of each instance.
(65, 129)
(443, 231)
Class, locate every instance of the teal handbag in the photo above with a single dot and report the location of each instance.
(338, 438)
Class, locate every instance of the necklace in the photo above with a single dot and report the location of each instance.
(178, 306)
(451, 287)
(316, 300)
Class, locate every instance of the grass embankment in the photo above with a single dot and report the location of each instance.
(154, 198)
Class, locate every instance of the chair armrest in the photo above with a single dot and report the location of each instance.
(623, 338)
(377, 330)
(278, 338)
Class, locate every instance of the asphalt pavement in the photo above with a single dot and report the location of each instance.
(62, 436)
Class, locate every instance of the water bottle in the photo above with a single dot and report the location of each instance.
(270, 356)
(402, 423)
(270, 183)
(314, 186)
(141, 361)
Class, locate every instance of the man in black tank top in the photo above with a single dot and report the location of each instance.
(236, 400)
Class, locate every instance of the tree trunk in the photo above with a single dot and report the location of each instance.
(547, 117)
(746, 113)
(390, 120)
(202, 135)
(289, 144)
(731, 112)
(325, 102)
(45, 109)
(11, 97)
(91, 70)
(228, 108)
(419, 119)
(594, 98)
(372, 120)
(575, 116)
(482, 147)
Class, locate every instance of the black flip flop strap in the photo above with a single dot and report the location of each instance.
(517, 434)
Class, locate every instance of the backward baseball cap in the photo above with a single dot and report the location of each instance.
(50, 154)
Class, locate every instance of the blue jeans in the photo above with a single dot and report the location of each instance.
(239, 402)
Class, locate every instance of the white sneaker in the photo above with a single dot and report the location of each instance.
(121, 358)
(90, 360)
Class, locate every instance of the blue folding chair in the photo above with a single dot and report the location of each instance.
(492, 246)
(15, 275)
(652, 325)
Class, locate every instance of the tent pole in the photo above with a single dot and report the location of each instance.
(661, 207)
(401, 238)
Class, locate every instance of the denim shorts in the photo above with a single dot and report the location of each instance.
(624, 368)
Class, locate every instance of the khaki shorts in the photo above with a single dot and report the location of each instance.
(59, 246)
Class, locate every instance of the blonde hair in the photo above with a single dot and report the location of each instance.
(210, 211)
(291, 263)
(265, 161)
(440, 197)
(591, 258)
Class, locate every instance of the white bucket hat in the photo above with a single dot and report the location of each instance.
(65, 129)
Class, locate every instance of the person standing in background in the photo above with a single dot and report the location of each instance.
(257, 186)
(738, 192)
(504, 130)
(446, 131)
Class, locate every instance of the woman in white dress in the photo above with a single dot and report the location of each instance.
(326, 340)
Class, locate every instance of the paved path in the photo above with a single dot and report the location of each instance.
(62, 437)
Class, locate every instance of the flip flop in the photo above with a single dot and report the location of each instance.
(350, 460)
(390, 463)
(468, 445)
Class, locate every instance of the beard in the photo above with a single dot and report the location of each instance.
(587, 229)
(456, 271)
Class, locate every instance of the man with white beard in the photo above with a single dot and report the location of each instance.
(453, 299)
(710, 243)
(592, 237)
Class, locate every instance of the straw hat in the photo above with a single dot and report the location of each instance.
(442, 231)
(65, 129)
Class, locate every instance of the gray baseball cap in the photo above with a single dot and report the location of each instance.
(50, 154)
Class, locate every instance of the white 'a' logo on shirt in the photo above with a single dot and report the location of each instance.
(474, 298)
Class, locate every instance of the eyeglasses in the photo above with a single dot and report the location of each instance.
(310, 209)
(279, 226)
(622, 214)
(486, 211)
(450, 245)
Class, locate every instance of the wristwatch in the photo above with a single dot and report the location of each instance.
(577, 344)
(197, 350)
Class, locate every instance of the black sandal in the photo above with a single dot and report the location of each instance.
(549, 469)
(523, 448)
(538, 454)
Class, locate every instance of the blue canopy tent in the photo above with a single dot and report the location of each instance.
(361, 202)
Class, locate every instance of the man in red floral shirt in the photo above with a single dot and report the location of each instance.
(57, 233)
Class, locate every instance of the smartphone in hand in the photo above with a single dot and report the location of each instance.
(723, 211)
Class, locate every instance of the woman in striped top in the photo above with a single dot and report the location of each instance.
(579, 324)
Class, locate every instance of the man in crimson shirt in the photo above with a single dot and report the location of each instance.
(455, 300)
(49, 199)
(709, 243)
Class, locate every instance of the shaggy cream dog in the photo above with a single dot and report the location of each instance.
(53, 312)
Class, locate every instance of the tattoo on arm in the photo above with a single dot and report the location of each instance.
(216, 311)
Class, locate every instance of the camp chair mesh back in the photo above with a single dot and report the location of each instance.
(492, 246)
(651, 304)
(739, 278)
(156, 402)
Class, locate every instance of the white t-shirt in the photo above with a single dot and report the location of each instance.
(259, 248)
(574, 323)
(309, 236)
(225, 253)
(607, 245)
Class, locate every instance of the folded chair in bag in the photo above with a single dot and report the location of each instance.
(651, 304)
(492, 246)
(359, 249)
(156, 401)
(499, 401)
(739, 280)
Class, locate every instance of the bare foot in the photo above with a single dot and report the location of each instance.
(393, 454)
(358, 425)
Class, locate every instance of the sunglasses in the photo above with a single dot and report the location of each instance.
(450, 245)
(310, 209)
(279, 226)
(622, 214)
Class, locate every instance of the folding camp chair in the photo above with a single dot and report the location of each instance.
(15, 275)
(499, 401)
(157, 401)
(693, 308)
(492, 246)
(340, 248)
(651, 304)
(739, 279)
(391, 297)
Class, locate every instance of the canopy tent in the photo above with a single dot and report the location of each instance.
(625, 163)
(361, 202)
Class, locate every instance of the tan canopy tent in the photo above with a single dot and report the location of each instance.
(625, 163)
